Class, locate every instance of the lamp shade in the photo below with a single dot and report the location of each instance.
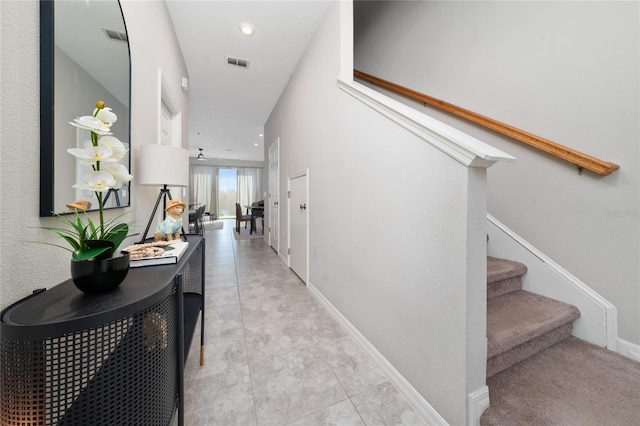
(164, 165)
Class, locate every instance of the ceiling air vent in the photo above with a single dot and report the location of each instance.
(114, 34)
(237, 62)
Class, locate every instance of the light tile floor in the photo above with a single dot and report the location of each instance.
(273, 355)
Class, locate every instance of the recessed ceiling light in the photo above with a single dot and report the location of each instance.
(261, 135)
(255, 144)
(246, 29)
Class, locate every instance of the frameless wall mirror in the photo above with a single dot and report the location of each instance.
(84, 58)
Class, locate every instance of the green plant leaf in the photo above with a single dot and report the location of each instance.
(93, 228)
(50, 244)
(89, 253)
(68, 236)
(77, 232)
(117, 234)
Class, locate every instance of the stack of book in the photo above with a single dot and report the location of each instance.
(167, 258)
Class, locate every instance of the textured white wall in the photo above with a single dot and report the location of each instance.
(567, 71)
(389, 229)
(25, 266)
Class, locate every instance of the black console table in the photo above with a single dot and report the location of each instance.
(117, 358)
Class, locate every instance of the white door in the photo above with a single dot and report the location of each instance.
(165, 125)
(298, 229)
(274, 191)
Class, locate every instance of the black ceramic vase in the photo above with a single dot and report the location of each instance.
(100, 275)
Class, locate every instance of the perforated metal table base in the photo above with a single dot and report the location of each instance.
(67, 358)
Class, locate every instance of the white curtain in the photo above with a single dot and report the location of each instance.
(249, 185)
(203, 186)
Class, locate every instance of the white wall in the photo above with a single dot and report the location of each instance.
(154, 47)
(567, 71)
(25, 266)
(393, 237)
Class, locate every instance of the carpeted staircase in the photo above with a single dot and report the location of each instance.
(537, 373)
(519, 323)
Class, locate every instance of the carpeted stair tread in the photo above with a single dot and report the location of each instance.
(501, 269)
(570, 383)
(518, 317)
(507, 359)
(503, 276)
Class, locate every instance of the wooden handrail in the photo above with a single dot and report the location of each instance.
(578, 158)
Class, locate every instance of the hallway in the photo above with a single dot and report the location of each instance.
(273, 355)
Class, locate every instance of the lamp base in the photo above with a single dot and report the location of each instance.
(164, 193)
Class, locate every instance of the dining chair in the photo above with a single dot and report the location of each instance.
(192, 219)
(200, 219)
(258, 213)
(243, 218)
(196, 220)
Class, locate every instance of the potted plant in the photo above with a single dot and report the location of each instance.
(93, 244)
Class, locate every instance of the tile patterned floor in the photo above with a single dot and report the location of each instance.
(273, 355)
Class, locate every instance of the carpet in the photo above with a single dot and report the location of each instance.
(571, 383)
(214, 225)
(540, 375)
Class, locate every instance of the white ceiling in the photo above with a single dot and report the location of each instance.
(229, 105)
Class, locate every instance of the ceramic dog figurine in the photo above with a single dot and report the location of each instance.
(171, 227)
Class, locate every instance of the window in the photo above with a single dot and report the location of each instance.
(220, 188)
(227, 192)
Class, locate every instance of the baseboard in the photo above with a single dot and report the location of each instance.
(628, 349)
(478, 403)
(416, 400)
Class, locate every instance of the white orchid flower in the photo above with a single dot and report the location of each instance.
(92, 124)
(105, 115)
(97, 181)
(119, 173)
(118, 148)
(102, 154)
(90, 154)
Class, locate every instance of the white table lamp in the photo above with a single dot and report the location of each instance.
(163, 165)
